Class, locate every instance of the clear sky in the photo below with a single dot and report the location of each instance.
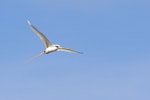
(113, 34)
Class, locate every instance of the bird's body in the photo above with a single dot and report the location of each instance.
(50, 49)
(49, 46)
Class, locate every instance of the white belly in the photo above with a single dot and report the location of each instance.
(50, 49)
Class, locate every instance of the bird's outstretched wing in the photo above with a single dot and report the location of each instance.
(68, 50)
(46, 42)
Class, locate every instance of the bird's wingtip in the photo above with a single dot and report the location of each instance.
(29, 22)
(81, 53)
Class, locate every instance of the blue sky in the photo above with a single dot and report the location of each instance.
(114, 36)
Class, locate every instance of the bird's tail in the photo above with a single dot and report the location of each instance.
(35, 57)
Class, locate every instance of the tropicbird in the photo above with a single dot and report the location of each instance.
(48, 45)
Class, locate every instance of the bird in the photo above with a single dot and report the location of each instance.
(49, 47)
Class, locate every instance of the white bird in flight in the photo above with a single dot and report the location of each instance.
(49, 46)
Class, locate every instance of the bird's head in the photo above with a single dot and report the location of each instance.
(57, 46)
(45, 52)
